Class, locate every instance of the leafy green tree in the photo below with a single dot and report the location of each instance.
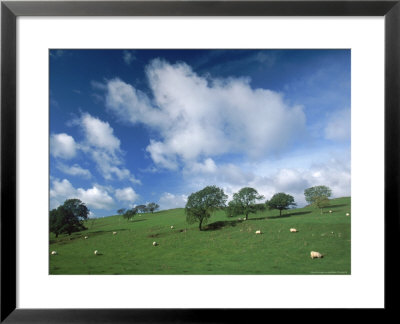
(233, 209)
(69, 217)
(201, 204)
(55, 222)
(261, 207)
(121, 211)
(152, 207)
(318, 196)
(141, 208)
(244, 202)
(321, 202)
(281, 201)
(130, 213)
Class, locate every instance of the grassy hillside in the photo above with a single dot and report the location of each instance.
(227, 246)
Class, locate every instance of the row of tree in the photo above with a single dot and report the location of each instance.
(129, 213)
(70, 217)
(203, 203)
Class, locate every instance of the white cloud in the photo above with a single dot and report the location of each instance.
(62, 190)
(198, 117)
(103, 147)
(99, 134)
(208, 166)
(169, 201)
(62, 146)
(96, 197)
(334, 173)
(74, 170)
(126, 194)
(339, 126)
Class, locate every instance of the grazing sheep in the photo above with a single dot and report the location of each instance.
(293, 230)
(315, 255)
(172, 227)
(96, 252)
(258, 232)
(155, 243)
(114, 233)
(53, 252)
(347, 214)
(330, 212)
(239, 218)
(86, 237)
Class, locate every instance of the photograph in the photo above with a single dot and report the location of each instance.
(199, 161)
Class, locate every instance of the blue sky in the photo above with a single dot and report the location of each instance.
(129, 127)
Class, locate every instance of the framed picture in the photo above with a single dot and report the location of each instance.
(134, 70)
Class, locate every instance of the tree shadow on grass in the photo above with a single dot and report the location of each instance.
(137, 220)
(289, 215)
(154, 235)
(336, 206)
(108, 231)
(80, 235)
(220, 224)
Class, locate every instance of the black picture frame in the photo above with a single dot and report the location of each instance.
(10, 10)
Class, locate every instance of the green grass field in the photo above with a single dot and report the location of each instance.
(227, 246)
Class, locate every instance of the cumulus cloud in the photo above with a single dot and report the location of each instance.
(62, 146)
(95, 197)
(339, 126)
(200, 117)
(126, 194)
(104, 148)
(99, 134)
(74, 170)
(169, 201)
(334, 173)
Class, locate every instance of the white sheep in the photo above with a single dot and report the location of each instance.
(239, 219)
(347, 214)
(96, 252)
(258, 232)
(155, 243)
(86, 237)
(53, 252)
(330, 212)
(172, 227)
(293, 230)
(114, 233)
(315, 255)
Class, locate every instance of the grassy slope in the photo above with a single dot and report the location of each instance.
(233, 248)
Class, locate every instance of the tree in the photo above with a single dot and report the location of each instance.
(233, 209)
(141, 208)
(152, 207)
(318, 196)
(321, 202)
(244, 201)
(121, 211)
(69, 217)
(260, 207)
(281, 201)
(55, 222)
(201, 204)
(130, 213)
